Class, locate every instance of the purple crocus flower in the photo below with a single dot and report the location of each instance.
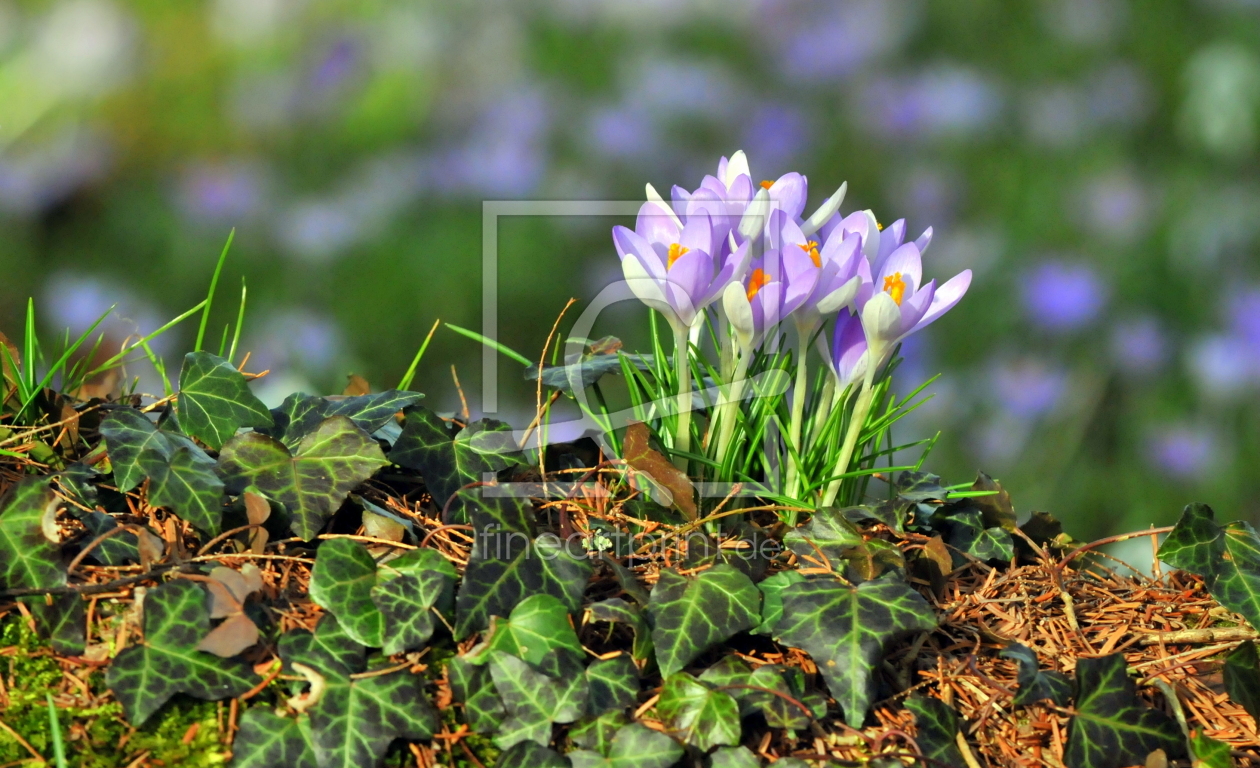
(675, 267)
(847, 356)
(778, 284)
(841, 267)
(1063, 296)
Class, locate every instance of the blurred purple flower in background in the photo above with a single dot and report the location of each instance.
(621, 133)
(1139, 345)
(1183, 451)
(776, 134)
(832, 41)
(943, 100)
(1244, 318)
(1114, 205)
(229, 191)
(1062, 296)
(1027, 387)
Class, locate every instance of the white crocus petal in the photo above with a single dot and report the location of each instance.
(881, 319)
(754, 219)
(840, 297)
(739, 312)
(825, 211)
(738, 164)
(655, 197)
(645, 287)
(870, 243)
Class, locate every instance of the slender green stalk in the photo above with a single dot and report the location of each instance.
(116, 359)
(415, 361)
(729, 408)
(856, 423)
(798, 411)
(827, 399)
(682, 354)
(502, 348)
(240, 322)
(59, 747)
(214, 283)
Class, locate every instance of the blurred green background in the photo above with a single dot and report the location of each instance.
(1094, 161)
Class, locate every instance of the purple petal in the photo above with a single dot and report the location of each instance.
(946, 297)
(915, 305)
(848, 345)
(691, 274)
(697, 235)
(890, 239)
(629, 242)
(905, 260)
(789, 192)
(680, 197)
(656, 225)
(924, 240)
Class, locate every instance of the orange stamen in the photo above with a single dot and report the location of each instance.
(896, 287)
(676, 252)
(766, 184)
(812, 249)
(756, 281)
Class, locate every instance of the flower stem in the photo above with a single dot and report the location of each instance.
(798, 414)
(856, 422)
(826, 400)
(729, 408)
(682, 438)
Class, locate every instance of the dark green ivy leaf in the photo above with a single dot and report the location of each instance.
(584, 371)
(614, 684)
(215, 400)
(328, 647)
(448, 464)
(1112, 728)
(734, 757)
(997, 509)
(143, 677)
(693, 613)
(534, 700)
(634, 746)
(312, 482)
(773, 691)
(267, 740)
(78, 482)
(408, 590)
(472, 686)
(920, 486)
(967, 533)
(341, 583)
(1242, 678)
(1036, 684)
(597, 733)
(845, 630)
(119, 549)
(825, 540)
(63, 622)
(937, 726)
(355, 720)
(188, 487)
(701, 715)
(527, 754)
(137, 448)
(537, 628)
(1227, 557)
(619, 611)
(300, 413)
(28, 558)
(1210, 753)
(772, 598)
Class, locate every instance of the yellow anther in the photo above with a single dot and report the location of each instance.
(676, 252)
(896, 287)
(756, 281)
(812, 249)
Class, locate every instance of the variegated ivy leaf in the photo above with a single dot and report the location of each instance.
(1036, 684)
(328, 647)
(355, 719)
(693, 613)
(215, 400)
(313, 481)
(471, 686)
(504, 569)
(845, 629)
(449, 463)
(825, 540)
(701, 715)
(144, 676)
(190, 488)
(1242, 678)
(967, 533)
(408, 590)
(634, 746)
(614, 685)
(771, 589)
(937, 726)
(63, 622)
(138, 449)
(300, 413)
(267, 740)
(1227, 557)
(538, 627)
(534, 700)
(527, 754)
(341, 583)
(773, 691)
(1111, 727)
(619, 611)
(1207, 752)
(29, 558)
(597, 733)
(734, 757)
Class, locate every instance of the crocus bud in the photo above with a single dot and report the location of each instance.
(755, 215)
(825, 211)
(739, 313)
(881, 318)
(841, 297)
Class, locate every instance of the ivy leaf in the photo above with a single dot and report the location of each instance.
(826, 539)
(997, 509)
(1242, 678)
(266, 740)
(341, 583)
(534, 700)
(134, 443)
(527, 754)
(472, 686)
(504, 569)
(634, 746)
(616, 610)
(215, 400)
(29, 559)
(408, 590)
(702, 716)
(300, 413)
(734, 757)
(538, 628)
(772, 690)
(448, 464)
(614, 684)
(694, 613)
(1210, 753)
(1227, 557)
(845, 630)
(143, 677)
(597, 733)
(937, 726)
(189, 488)
(355, 720)
(920, 486)
(1111, 727)
(313, 481)
(63, 622)
(967, 533)
(772, 598)
(1036, 684)
(327, 648)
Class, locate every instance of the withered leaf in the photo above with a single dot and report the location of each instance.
(639, 455)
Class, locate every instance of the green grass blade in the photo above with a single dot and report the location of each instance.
(30, 349)
(59, 748)
(240, 321)
(61, 362)
(407, 378)
(495, 345)
(214, 283)
(116, 359)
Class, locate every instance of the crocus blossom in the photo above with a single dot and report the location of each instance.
(846, 356)
(778, 284)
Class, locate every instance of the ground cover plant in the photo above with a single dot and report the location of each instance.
(733, 570)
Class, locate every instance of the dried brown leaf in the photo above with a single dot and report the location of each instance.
(639, 455)
(231, 637)
(356, 385)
